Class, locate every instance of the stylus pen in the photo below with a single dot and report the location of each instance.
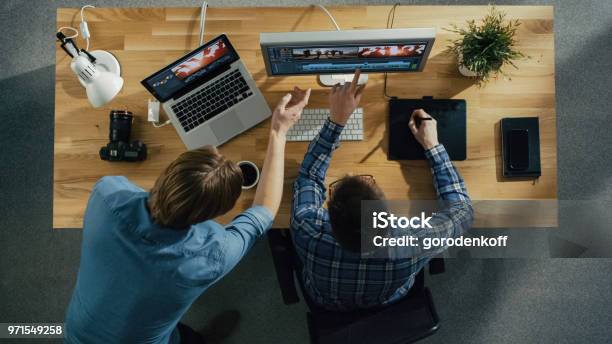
(420, 120)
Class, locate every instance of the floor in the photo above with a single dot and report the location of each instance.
(479, 301)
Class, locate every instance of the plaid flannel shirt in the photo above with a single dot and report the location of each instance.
(338, 279)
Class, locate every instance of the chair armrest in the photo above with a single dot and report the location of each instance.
(283, 255)
(436, 266)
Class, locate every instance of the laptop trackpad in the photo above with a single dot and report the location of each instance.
(227, 126)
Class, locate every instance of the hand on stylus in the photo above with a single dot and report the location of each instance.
(426, 132)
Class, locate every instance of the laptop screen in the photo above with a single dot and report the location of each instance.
(189, 72)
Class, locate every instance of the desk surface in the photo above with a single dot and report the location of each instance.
(145, 40)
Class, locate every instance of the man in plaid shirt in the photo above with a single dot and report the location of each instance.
(334, 273)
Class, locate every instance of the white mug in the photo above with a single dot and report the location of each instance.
(245, 162)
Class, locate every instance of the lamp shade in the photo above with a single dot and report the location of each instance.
(101, 86)
(103, 89)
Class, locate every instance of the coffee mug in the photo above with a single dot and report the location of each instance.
(250, 174)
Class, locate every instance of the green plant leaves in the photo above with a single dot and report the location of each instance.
(486, 47)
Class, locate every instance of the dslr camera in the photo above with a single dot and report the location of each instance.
(120, 148)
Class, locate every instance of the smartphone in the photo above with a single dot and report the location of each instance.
(518, 149)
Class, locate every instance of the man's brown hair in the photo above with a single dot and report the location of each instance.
(198, 186)
(344, 208)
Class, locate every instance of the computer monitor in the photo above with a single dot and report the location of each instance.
(332, 54)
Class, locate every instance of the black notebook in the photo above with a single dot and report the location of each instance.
(450, 115)
(520, 147)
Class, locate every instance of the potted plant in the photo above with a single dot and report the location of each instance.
(484, 48)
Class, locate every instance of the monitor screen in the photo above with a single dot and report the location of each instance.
(190, 71)
(319, 59)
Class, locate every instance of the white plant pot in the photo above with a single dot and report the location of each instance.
(466, 72)
(462, 69)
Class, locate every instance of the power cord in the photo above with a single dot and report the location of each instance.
(203, 20)
(329, 15)
(157, 125)
(76, 32)
(83, 26)
(153, 106)
(390, 21)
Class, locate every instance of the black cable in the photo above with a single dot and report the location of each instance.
(390, 21)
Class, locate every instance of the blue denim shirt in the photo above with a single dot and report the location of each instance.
(137, 279)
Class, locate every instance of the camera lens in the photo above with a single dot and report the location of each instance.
(120, 126)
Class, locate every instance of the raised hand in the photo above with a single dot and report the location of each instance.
(343, 99)
(289, 110)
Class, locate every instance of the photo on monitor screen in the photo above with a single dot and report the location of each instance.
(317, 53)
(398, 50)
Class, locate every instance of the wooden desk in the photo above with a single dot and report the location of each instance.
(145, 40)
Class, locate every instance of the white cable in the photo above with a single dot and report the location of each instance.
(84, 27)
(329, 15)
(157, 125)
(76, 32)
(83, 9)
(202, 20)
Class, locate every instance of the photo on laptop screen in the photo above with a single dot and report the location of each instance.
(198, 64)
(187, 69)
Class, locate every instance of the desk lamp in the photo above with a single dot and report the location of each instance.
(99, 71)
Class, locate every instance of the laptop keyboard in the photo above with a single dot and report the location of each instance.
(212, 100)
(312, 120)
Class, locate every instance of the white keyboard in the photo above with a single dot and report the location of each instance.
(312, 120)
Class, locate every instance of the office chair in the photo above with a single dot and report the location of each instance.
(409, 320)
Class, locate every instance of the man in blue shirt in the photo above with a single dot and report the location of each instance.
(146, 257)
(335, 275)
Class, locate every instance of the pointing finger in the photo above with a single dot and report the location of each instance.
(355, 80)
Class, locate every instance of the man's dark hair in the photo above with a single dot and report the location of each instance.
(344, 208)
(199, 185)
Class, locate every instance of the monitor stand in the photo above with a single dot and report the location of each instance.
(333, 79)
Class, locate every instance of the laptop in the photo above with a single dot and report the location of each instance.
(208, 95)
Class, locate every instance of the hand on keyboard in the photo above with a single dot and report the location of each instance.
(343, 99)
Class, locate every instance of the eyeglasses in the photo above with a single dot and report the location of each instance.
(367, 178)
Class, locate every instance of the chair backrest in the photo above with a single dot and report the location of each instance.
(409, 320)
(412, 318)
